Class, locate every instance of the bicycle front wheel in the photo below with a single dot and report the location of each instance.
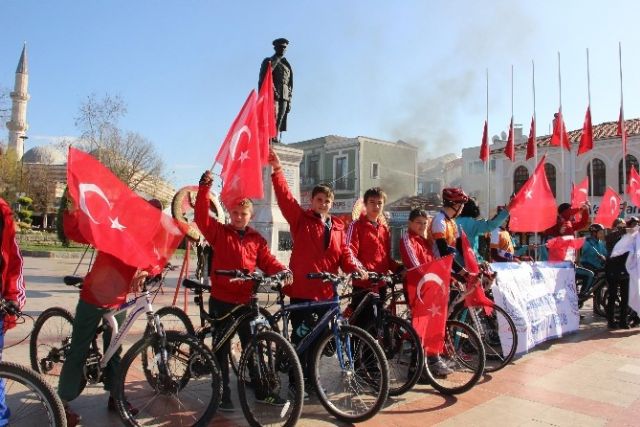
(497, 331)
(350, 374)
(463, 354)
(172, 381)
(271, 367)
(175, 319)
(30, 400)
(49, 343)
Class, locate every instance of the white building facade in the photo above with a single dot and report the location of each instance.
(562, 167)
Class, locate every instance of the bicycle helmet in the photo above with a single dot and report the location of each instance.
(594, 228)
(453, 196)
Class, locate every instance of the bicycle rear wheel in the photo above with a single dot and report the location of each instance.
(464, 354)
(351, 378)
(404, 353)
(50, 341)
(497, 331)
(271, 367)
(31, 401)
(172, 381)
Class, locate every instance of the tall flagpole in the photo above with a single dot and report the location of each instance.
(488, 165)
(535, 140)
(624, 127)
(589, 107)
(564, 176)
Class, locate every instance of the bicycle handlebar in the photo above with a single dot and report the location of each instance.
(10, 309)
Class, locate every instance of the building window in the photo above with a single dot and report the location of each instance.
(313, 170)
(520, 176)
(631, 162)
(550, 171)
(340, 174)
(599, 177)
(375, 170)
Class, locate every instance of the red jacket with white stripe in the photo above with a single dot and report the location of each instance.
(309, 254)
(369, 246)
(414, 250)
(232, 251)
(11, 275)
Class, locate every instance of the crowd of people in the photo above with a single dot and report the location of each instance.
(322, 243)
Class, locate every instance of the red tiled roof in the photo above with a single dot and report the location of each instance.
(606, 130)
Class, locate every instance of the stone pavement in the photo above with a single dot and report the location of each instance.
(591, 378)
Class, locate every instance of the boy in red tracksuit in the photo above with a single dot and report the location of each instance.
(11, 285)
(104, 288)
(236, 246)
(369, 245)
(318, 245)
(415, 250)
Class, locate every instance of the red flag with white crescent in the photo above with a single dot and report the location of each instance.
(586, 139)
(266, 115)
(114, 219)
(633, 187)
(532, 146)
(580, 193)
(609, 208)
(484, 147)
(534, 207)
(510, 149)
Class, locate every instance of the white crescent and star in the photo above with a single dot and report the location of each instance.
(83, 189)
(434, 310)
(236, 138)
(613, 203)
(429, 277)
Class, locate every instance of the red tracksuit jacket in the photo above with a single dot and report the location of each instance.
(370, 248)
(232, 252)
(11, 277)
(309, 254)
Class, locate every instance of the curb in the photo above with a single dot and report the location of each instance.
(73, 255)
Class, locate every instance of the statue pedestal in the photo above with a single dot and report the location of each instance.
(267, 217)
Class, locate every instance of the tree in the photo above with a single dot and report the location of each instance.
(9, 176)
(130, 156)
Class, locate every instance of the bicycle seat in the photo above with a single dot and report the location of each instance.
(195, 285)
(73, 280)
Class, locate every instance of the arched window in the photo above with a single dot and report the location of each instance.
(550, 171)
(599, 177)
(520, 176)
(631, 161)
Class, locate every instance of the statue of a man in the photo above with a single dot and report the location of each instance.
(282, 81)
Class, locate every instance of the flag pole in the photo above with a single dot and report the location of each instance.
(564, 176)
(488, 165)
(535, 141)
(623, 125)
(589, 107)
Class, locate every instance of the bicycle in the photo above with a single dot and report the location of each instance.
(598, 289)
(29, 399)
(463, 351)
(268, 363)
(493, 324)
(396, 336)
(154, 373)
(349, 371)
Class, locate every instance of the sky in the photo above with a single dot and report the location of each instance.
(410, 70)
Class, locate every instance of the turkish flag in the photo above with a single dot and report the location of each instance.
(241, 156)
(266, 115)
(476, 296)
(563, 248)
(560, 137)
(429, 284)
(484, 147)
(534, 207)
(510, 149)
(609, 208)
(586, 139)
(115, 220)
(580, 193)
(633, 188)
(532, 147)
(622, 131)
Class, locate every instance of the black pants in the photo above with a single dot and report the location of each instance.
(218, 309)
(366, 318)
(618, 280)
(302, 322)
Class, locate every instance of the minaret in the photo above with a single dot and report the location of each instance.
(18, 124)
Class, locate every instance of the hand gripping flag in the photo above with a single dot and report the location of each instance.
(115, 220)
(241, 157)
(430, 282)
(609, 208)
(534, 207)
(580, 193)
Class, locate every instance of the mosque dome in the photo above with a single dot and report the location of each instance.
(46, 154)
